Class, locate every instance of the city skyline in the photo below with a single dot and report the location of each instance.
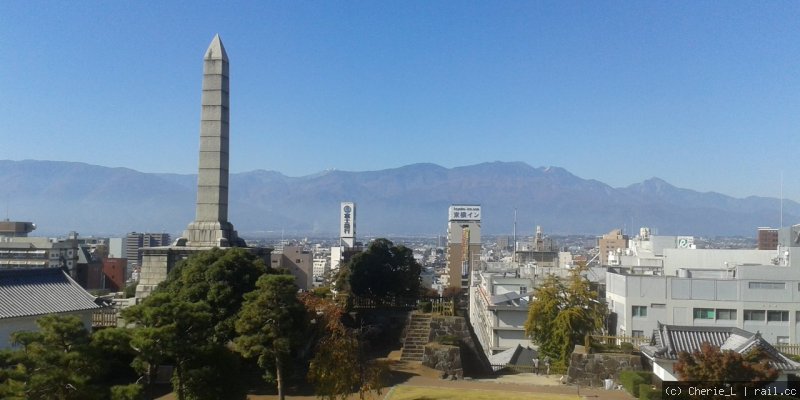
(704, 95)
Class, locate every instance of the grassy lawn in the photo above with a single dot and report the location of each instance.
(432, 393)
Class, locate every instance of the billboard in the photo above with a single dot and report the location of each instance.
(684, 242)
(464, 213)
(347, 227)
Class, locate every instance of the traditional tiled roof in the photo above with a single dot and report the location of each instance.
(517, 355)
(40, 291)
(671, 340)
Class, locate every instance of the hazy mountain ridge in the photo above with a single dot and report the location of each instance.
(63, 196)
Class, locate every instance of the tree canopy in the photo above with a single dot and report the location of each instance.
(562, 314)
(339, 365)
(270, 325)
(63, 361)
(215, 311)
(189, 320)
(380, 271)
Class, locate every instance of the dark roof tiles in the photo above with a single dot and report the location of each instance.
(671, 340)
(40, 291)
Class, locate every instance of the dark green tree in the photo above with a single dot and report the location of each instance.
(271, 325)
(562, 314)
(383, 270)
(189, 320)
(53, 363)
(112, 351)
(219, 278)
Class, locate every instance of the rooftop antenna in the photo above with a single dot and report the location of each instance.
(781, 220)
(514, 250)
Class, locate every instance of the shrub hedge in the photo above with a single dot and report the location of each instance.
(631, 380)
(646, 392)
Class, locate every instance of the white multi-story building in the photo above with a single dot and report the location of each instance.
(672, 253)
(39, 252)
(321, 268)
(762, 297)
(498, 306)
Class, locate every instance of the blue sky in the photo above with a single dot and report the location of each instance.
(705, 95)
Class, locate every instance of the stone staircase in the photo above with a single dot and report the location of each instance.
(417, 333)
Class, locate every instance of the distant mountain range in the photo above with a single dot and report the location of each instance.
(410, 200)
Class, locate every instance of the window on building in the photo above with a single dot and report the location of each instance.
(726, 314)
(754, 315)
(658, 305)
(703, 313)
(523, 289)
(637, 334)
(639, 311)
(766, 285)
(778, 316)
(782, 340)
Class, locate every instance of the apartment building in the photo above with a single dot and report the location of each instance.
(39, 252)
(298, 261)
(611, 243)
(498, 306)
(767, 238)
(135, 241)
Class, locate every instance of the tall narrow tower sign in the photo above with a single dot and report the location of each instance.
(347, 228)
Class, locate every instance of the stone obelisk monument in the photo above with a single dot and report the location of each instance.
(211, 227)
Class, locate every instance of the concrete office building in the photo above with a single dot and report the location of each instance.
(611, 243)
(321, 268)
(767, 238)
(761, 298)
(542, 251)
(115, 273)
(463, 245)
(116, 248)
(298, 261)
(135, 241)
(89, 270)
(669, 254)
(39, 252)
(15, 229)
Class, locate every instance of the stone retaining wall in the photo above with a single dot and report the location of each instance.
(454, 326)
(443, 358)
(593, 369)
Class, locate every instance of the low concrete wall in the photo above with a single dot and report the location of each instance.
(593, 369)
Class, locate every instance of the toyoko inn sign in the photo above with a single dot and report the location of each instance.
(465, 213)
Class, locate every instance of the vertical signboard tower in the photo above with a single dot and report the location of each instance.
(347, 227)
(463, 244)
